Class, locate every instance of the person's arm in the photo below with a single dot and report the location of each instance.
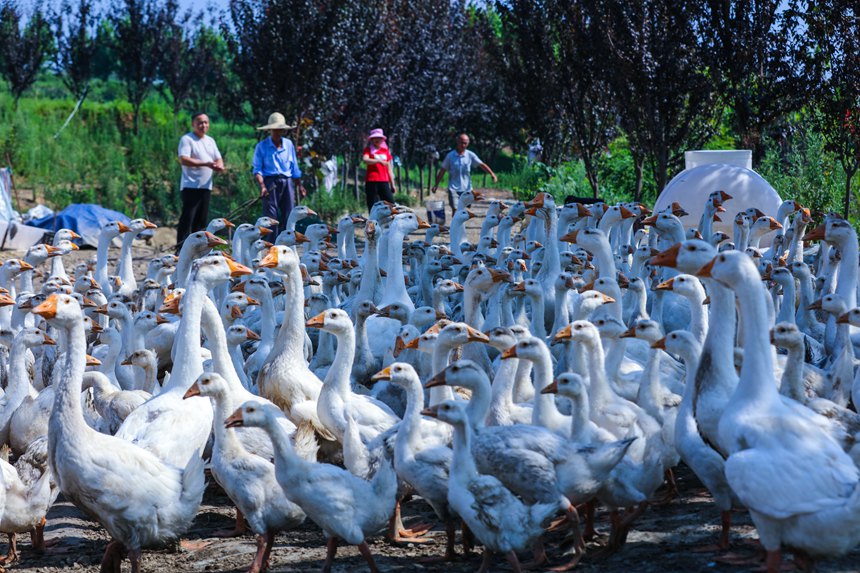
(439, 175)
(488, 171)
(218, 164)
(185, 158)
(257, 170)
(296, 172)
(372, 161)
(391, 177)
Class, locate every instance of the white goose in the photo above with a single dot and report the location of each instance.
(139, 499)
(774, 449)
(346, 507)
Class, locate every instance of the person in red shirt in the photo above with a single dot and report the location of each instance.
(379, 181)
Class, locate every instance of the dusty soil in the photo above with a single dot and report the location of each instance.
(665, 539)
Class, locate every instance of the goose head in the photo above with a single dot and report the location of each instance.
(254, 414)
(280, 258)
(786, 335)
(290, 238)
(681, 343)
(67, 235)
(60, 309)
(851, 317)
(14, 267)
(32, 337)
(532, 349)
(399, 373)
(529, 287)
(215, 270)
(591, 300)
(463, 373)
(687, 257)
(365, 308)
(137, 226)
(831, 304)
(501, 338)
(646, 329)
(147, 320)
(764, 225)
(685, 285)
(219, 224)
(239, 334)
(580, 331)
(459, 333)
(143, 358)
(113, 229)
(570, 385)
(333, 320)
(266, 222)
(424, 316)
(397, 311)
(207, 384)
(610, 328)
(834, 231)
(449, 411)
(483, 279)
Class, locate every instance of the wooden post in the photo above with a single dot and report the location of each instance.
(420, 180)
(356, 181)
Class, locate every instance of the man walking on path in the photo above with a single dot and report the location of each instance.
(199, 157)
(276, 169)
(458, 163)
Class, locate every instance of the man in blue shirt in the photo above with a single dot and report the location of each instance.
(458, 163)
(276, 169)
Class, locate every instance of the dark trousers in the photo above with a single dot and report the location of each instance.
(195, 212)
(279, 203)
(377, 191)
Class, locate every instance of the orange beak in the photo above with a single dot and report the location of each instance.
(510, 353)
(668, 258)
(316, 322)
(661, 344)
(384, 374)
(191, 392)
(235, 420)
(236, 269)
(270, 261)
(251, 335)
(551, 389)
(123, 228)
(705, 272)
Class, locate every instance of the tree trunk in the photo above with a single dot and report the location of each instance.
(639, 169)
(849, 175)
(591, 175)
(420, 179)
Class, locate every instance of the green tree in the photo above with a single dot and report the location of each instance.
(77, 36)
(140, 33)
(24, 48)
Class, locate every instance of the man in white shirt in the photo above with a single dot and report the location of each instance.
(199, 157)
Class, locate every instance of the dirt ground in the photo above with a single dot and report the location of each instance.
(664, 539)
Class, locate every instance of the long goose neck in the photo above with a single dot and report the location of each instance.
(67, 417)
(286, 459)
(337, 377)
(544, 404)
(579, 420)
(562, 316)
(410, 426)
(395, 261)
(551, 259)
(124, 267)
(463, 467)
(370, 272)
(786, 310)
(291, 337)
(187, 363)
(479, 403)
(213, 327)
(605, 260)
(698, 316)
(537, 317)
(101, 260)
(600, 392)
(472, 298)
(791, 383)
(225, 438)
(846, 287)
(720, 341)
(795, 249)
(649, 385)
(503, 383)
(439, 394)
(267, 319)
(756, 378)
(19, 379)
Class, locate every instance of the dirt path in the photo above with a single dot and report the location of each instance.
(663, 541)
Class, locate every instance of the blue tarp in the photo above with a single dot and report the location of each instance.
(84, 219)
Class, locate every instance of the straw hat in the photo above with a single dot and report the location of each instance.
(276, 121)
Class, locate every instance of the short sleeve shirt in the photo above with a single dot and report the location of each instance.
(377, 171)
(204, 149)
(459, 168)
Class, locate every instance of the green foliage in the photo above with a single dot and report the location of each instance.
(331, 207)
(804, 171)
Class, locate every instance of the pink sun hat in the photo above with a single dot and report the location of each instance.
(376, 133)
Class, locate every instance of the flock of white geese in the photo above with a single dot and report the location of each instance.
(566, 362)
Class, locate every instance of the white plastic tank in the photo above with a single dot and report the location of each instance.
(729, 171)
